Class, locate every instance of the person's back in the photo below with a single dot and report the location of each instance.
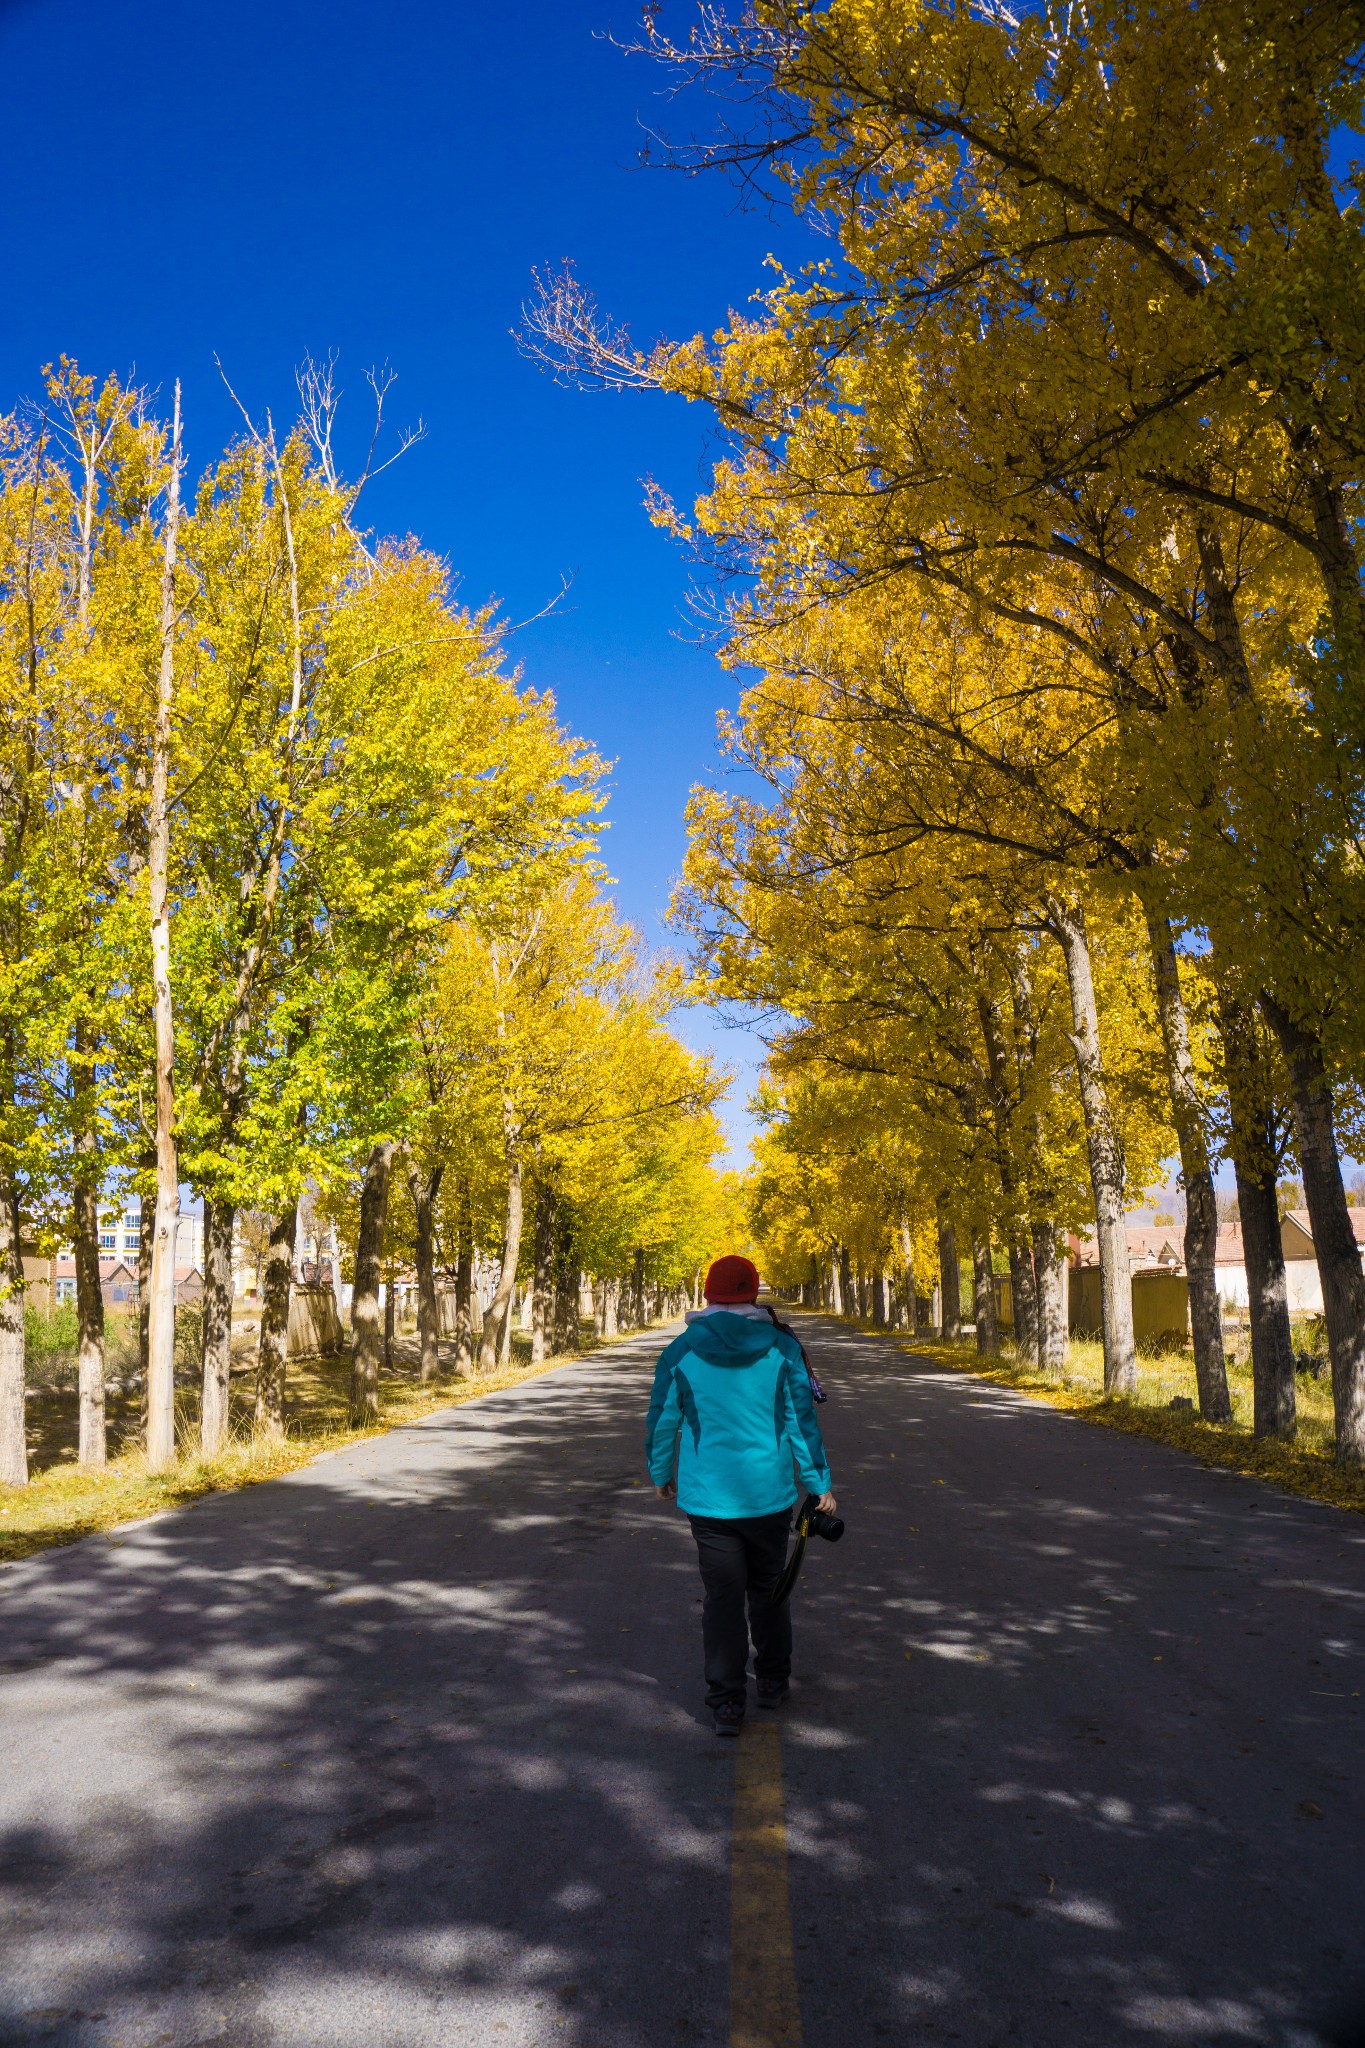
(731, 1415)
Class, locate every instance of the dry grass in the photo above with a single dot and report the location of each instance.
(62, 1503)
(1306, 1467)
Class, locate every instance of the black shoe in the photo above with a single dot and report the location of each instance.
(729, 1717)
(772, 1691)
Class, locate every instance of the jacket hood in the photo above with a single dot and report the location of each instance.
(731, 1340)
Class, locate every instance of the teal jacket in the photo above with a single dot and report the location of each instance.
(732, 1408)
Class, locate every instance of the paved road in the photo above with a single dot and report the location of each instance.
(407, 1749)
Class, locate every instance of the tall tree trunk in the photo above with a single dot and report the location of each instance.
(424, 1193)
(161, 1321)
(1254, 1144)
(949, 1278)
(568, 1280)
(1106, 1155)
(93, 1440)
(1338, 1255)
(543, 1274)
(836, 1292)
(908, 1259)
(1037, 1250)
(334, 1259)
(273, 1362)
(85, 1239)
(464, 1290)
(1024, 1296)
(1274, 1399)
(847, 1295)
(639, 1313)
(1052, 1330)
(13, 1433)
(146, 1227)
(369, 1254)
(390, 1306)
(500, 1306)
(1006, 1097)
(987, 1332)
(611, 1289)
(219, 1220)
(1201, 1203)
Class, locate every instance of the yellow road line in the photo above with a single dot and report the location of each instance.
(764, 2012)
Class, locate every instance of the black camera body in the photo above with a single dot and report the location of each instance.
(819, 1522)
(810, 1521)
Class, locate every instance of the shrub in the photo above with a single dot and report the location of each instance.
(189, 1337)
(50, 1340)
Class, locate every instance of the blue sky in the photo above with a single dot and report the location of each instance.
(259, 182)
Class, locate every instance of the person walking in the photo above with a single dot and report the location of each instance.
(731, 1425)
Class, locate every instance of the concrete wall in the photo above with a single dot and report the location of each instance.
(1302, 1282)
(1161, 1306)
(1083, 1307)
(1232, 1283)
(1303, 1286)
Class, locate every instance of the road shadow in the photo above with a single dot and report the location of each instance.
(406, 1747)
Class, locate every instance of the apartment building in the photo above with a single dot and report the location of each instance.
(52, 1280)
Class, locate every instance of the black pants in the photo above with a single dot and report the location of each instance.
(739, 1559)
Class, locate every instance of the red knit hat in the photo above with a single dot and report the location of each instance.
(732, 1279)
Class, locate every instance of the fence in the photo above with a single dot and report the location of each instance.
(314, 1325)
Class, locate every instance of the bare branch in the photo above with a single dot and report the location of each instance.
(381, 383)
(566, 583)
(319, 397)
(564, 331)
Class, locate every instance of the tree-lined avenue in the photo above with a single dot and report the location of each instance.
(409, 1745)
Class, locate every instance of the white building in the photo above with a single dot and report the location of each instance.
(119, 1233)
(1302, 1281)
(118, 1226)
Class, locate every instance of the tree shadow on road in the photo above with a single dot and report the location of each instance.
(405, 1748)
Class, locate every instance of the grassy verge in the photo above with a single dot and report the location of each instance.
(1305, 1467)
(62, 1503)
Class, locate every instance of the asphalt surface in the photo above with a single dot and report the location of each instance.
(408, 1748)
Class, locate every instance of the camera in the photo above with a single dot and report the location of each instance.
(819, 1522)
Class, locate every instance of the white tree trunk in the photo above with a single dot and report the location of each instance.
(425, 1188)
(908, 1256)
(490, 1344)
(92, 1449)
(161, 1322)
(1201, 1203)
(1050, 1272)
(1106, 1157)
(369, 1254)
(13, 1437)
(542, 1278)
(273, 1357)
(334, 1252)
(219, 1219)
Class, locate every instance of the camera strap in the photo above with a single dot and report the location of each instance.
(791, 1571)
(817, 1392)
